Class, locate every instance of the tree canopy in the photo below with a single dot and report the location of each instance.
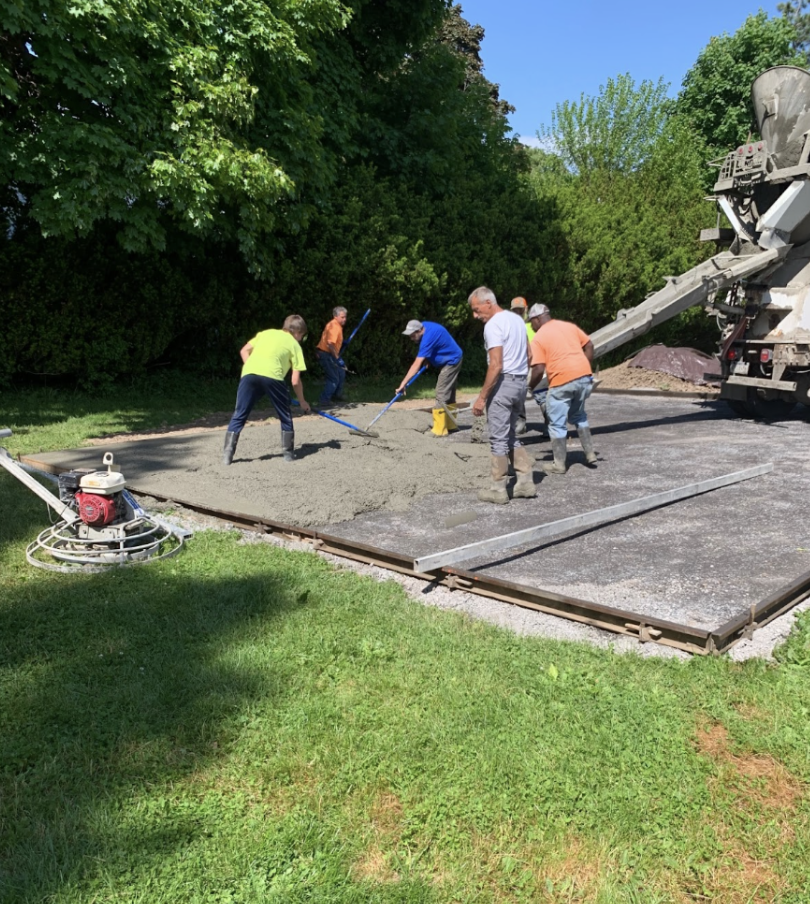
(716, 94)
(795, 12)
(219, 119)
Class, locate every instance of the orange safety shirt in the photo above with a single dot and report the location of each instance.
(332, 332)
(558, 344)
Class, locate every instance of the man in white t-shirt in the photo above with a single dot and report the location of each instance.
(501, 395)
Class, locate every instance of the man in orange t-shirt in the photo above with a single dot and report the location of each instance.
(564, 353)
(328, 353)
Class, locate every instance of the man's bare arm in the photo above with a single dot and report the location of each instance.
(418, 362)
(538, 370)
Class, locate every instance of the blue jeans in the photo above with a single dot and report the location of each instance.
(335, 376)
(566, 405)
(251, 388)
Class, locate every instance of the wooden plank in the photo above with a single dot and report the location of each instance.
(585, 521)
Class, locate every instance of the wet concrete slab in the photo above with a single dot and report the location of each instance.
(697, 562)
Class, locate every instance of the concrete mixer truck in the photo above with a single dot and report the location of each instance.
(759, 288)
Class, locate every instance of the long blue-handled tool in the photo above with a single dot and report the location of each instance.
(358, 430)
(398, 395)
(354, 331)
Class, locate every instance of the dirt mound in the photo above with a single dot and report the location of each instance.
(625, 377)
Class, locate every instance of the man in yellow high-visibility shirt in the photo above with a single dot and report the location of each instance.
(266, 360)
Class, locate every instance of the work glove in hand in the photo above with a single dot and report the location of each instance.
(539, 396)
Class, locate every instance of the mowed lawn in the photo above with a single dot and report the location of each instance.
(248, 724)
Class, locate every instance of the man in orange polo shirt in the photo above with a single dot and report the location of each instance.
(564, 352)
(328, 352)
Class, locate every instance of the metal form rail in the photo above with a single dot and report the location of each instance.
(644, 628)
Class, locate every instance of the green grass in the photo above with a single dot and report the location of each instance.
(249, 724)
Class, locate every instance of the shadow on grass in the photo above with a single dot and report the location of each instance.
(116, 682)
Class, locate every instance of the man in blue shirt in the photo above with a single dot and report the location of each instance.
(439, 349)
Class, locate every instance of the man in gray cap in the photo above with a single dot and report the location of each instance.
(501, 395)
(439, 349)
(564, 353)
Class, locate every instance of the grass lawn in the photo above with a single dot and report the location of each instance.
(249, 724)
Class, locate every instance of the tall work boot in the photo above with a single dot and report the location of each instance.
(524, 487)
(560, 463)
(439, 422)
(496, 492)
(452, 417)
(231, 439)
(288, 444)
(586, 440)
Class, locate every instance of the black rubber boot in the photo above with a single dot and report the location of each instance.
(288, 444)
(560, 463)
(586, 441)
(231, 439)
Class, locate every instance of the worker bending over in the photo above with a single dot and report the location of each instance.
(564, 352)
(439, 349)
(266, 361)
(328, 352)
(503, 390)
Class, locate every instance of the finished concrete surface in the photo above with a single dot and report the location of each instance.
(697, 562)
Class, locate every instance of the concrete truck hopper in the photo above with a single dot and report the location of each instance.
(759, 288)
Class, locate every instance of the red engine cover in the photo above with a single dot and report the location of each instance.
(96, 511)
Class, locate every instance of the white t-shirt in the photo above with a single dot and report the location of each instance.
(509, 332)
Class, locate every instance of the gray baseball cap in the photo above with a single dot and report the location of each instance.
(537, 310)
(413, 327)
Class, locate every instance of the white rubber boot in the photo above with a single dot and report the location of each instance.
(524, 487)
(496, 492)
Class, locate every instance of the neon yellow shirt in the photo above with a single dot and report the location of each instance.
(274, 354)
(529, 331)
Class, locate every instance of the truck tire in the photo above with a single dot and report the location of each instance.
(757, 408)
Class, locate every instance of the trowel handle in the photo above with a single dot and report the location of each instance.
(398, 395)
(418, 374)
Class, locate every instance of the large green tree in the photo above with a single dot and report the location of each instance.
(614, 131)
(219, 119)
(625, 176)
(795, 11)
(403, 190)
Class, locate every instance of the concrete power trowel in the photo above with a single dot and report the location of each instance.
(102, 525)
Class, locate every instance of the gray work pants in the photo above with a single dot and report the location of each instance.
(446, 384)
(503, 410)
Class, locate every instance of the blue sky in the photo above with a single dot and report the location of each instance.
(542, 53)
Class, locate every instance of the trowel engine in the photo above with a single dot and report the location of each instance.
(96, 496)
